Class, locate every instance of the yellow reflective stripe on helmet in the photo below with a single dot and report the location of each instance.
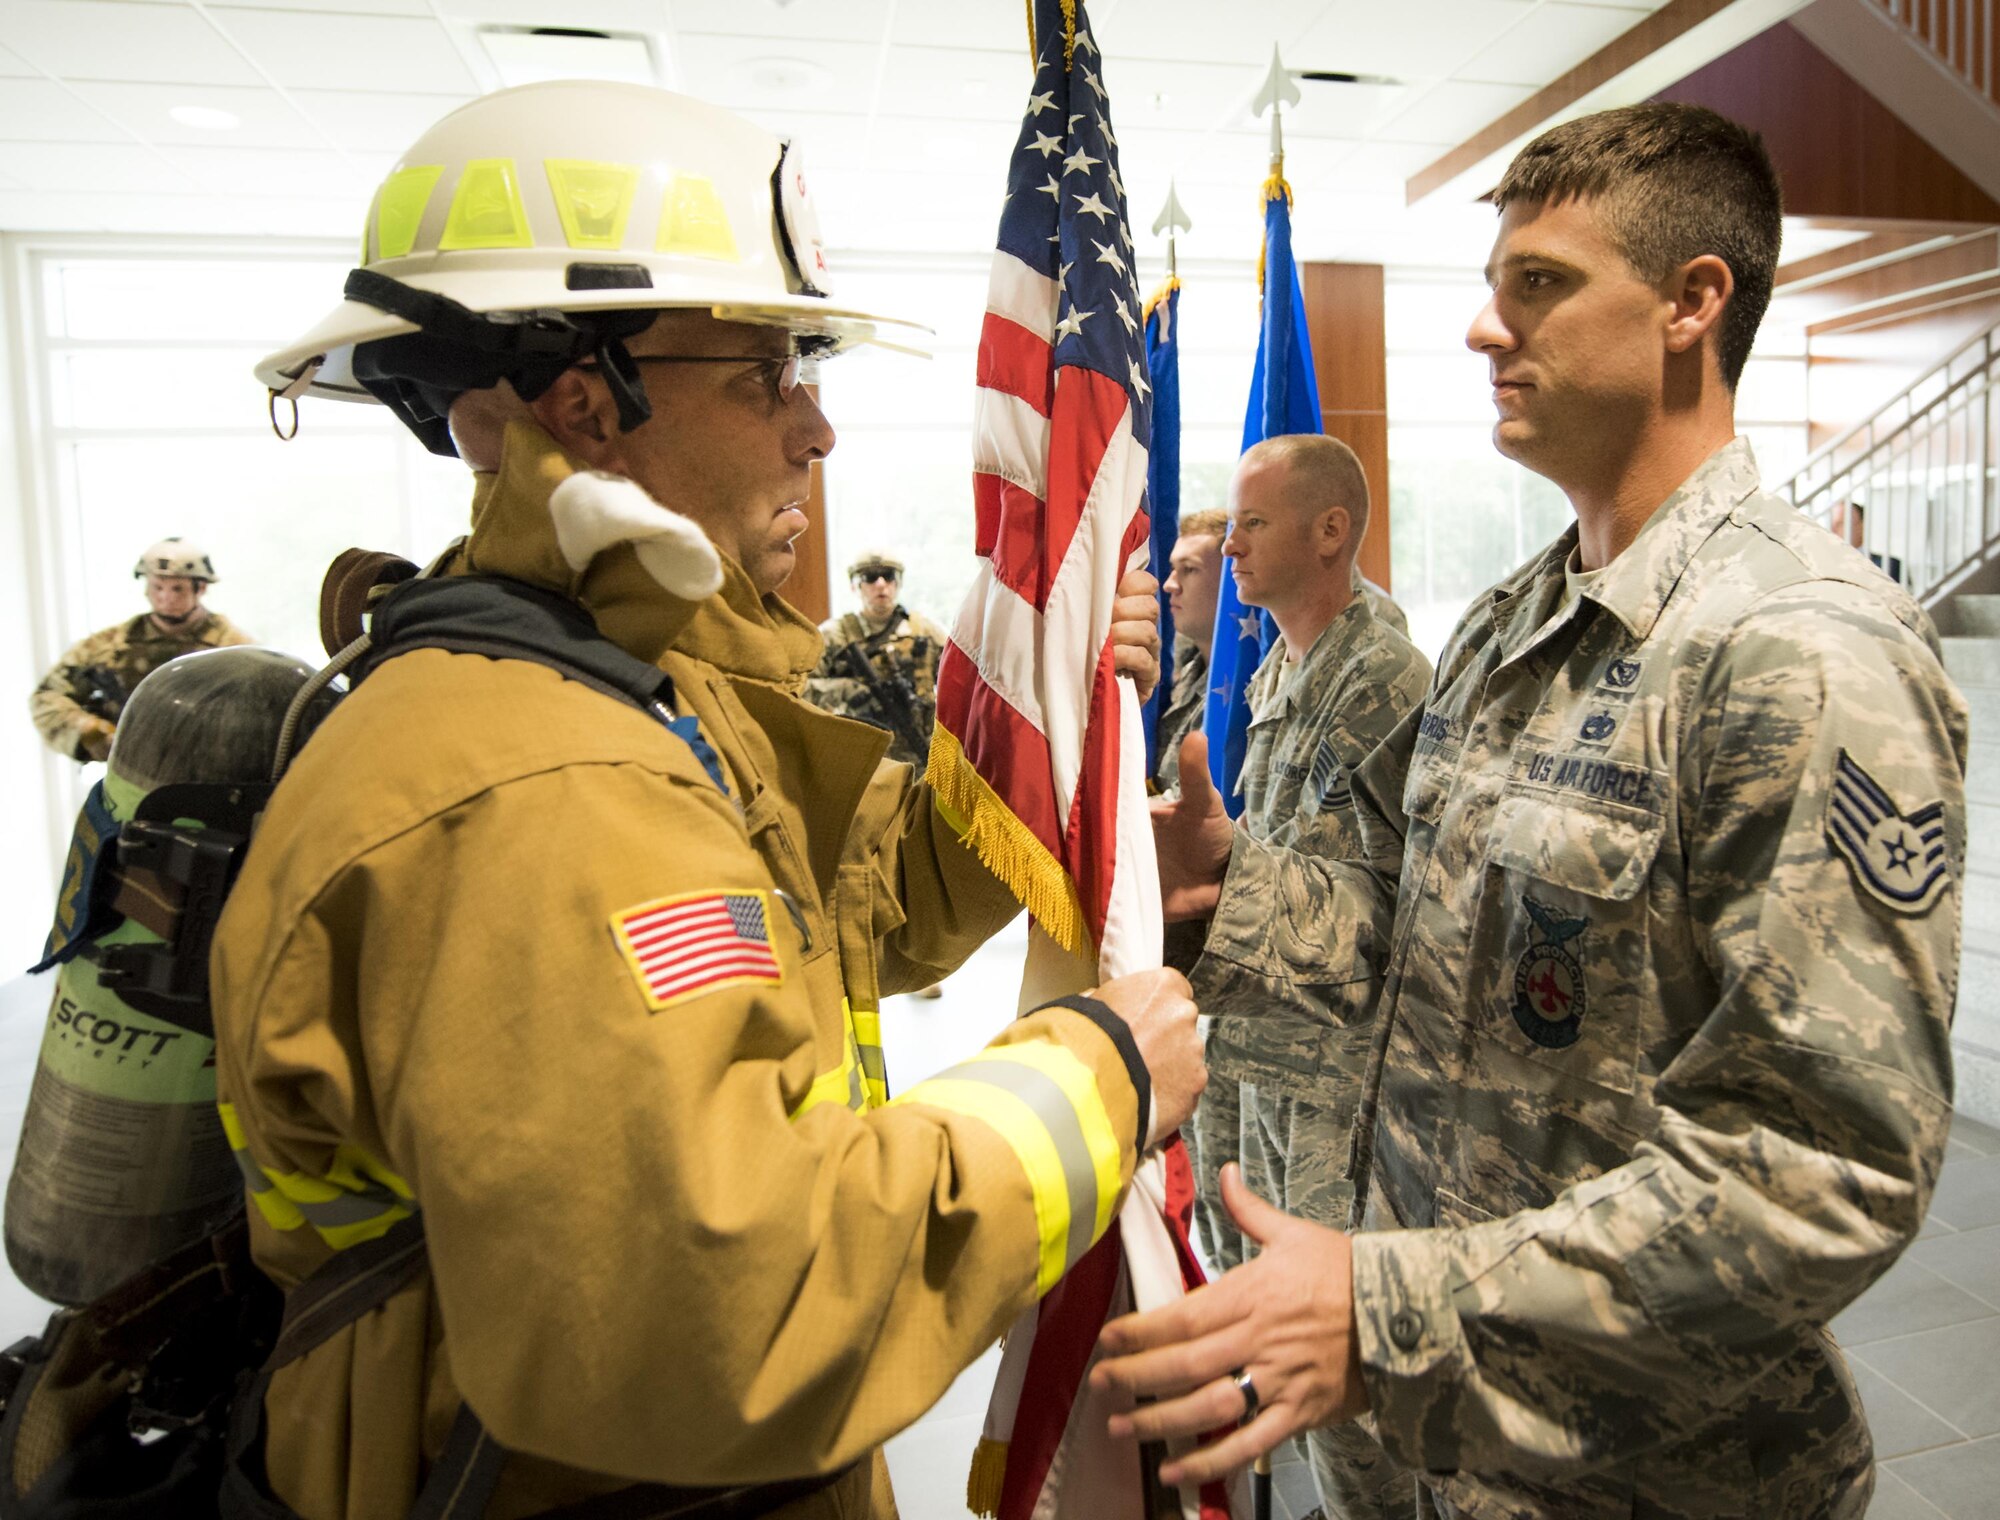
(593, 200)
(1053, 1120)
(1079, 1085)
(867, 1026)
(399, 210)
(359, 1199)
(694, 221)
(486, 209)
(278, 1211)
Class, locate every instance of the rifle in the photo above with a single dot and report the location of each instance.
(100, 692)
(895, 697)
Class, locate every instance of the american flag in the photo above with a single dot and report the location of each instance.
(681, 945)
(1062, 421)
(1039, 750)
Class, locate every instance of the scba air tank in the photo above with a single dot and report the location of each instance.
(122, 1156)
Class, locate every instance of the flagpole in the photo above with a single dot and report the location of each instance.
(1260, 1488)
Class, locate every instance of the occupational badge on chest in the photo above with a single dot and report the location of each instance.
(1550, 995)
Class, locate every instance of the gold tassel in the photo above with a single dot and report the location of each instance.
(984, 1483)
(1168, 287)
(1006, 846)
(1069, 32)
(1274, 186)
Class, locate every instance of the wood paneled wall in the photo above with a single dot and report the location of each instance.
(1344, 318)
(1840, 152)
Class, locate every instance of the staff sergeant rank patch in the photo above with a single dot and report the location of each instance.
(1898, 858)
(680, 946)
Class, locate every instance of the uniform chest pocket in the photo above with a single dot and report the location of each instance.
(1563, 928)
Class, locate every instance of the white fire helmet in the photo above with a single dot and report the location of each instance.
(515, 227)
(173, 557)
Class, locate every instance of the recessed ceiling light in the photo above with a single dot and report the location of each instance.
(783, 76)
(206, 118)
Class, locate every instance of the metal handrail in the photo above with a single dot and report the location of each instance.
(1924, 473)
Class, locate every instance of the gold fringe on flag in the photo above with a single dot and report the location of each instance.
(1006, 846)
(983, 1485)
(1274, 186)
(1167, 287)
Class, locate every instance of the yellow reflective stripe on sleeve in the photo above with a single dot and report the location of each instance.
(359, 1199)
(593, 200)
(963, 1090)
(867, 1026)
(1079, 1084)
(486, 209)
(278, 1211)
(840, 1085)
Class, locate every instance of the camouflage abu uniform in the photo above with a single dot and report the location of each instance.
(1662, 1080)
(129, 652)
(1382, 604)
(1183, 714)
(909, 643)
(1288, 1041)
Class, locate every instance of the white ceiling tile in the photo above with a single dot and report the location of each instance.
(267, 120)
(112, 39)
(1453, 111)
(375, 122)
(352, 7)
(593, 15)
(960, 83)
(14, 66)
(1549, 43)
(116, 169)
(1170, 93)
(271, 171)
(34, 211)
(751, 74)
(40, 110)
(1195, 30)
(317, 51)
(978, 24)
(1380, 166)
(1425, 41)
(825, 20)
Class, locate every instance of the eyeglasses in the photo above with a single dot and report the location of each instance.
(782, 372)
(869, 577)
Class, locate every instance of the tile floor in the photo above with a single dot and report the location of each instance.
(1924, 1341)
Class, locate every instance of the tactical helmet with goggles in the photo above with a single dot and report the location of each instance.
(874, 567)
(544, 225)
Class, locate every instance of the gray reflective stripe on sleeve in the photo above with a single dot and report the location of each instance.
(351, 1208)
(1051, 1105)
(253, 1175)
(872, 1064)
(857, 1098)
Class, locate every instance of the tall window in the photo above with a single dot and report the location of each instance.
(900, 476)
(144, 421)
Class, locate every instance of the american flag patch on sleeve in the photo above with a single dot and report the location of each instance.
(678, 946)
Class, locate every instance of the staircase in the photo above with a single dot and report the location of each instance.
(1970, 627)
(1927, 469)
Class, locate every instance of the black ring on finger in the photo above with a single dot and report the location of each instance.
(1246, 1386)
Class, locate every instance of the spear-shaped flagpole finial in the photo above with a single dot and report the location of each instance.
(1172, 216)
(1278, 92)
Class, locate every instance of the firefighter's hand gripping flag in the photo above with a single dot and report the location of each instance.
(1039, 751)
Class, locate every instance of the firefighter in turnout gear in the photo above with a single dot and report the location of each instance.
(893, 682)
(566, 978)
(76, 706)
